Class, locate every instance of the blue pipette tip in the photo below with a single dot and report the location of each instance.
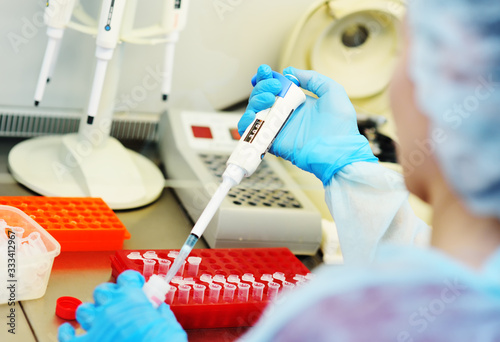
(164, 97)
(37, 103)
(90, 120)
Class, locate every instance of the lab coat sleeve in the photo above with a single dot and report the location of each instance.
(369, 204)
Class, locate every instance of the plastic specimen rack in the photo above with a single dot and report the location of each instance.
(219, 287)
(78, 224)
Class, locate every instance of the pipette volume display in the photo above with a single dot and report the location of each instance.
(243, 162)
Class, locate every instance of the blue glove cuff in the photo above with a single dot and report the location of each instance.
(345, 150)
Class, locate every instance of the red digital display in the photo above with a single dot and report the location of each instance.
(202, 132)
(234, 134)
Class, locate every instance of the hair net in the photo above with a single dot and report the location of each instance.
(455, 66)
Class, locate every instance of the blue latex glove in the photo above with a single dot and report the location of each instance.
(322, 135)
(122, 312)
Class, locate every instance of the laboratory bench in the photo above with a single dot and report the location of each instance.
(162, 224)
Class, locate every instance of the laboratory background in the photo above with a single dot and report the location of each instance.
(116, 122)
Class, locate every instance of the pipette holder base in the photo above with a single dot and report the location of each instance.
(73, 165)
(230, 261)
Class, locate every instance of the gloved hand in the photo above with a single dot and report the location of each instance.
(322, 135)
(122, 312)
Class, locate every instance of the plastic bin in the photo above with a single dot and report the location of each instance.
(31, 263)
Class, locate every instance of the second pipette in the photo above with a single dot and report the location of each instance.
(243, 162)
(108, 30)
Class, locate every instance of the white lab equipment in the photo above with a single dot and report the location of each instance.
(108, 34)
(57, 16)
(91, 163)
(342, 38)
(267, 209)
(175, 21)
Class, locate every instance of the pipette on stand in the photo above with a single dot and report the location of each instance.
(56, 16)
(243, 162)
(175, 17)
(108, 32)
(54, 60)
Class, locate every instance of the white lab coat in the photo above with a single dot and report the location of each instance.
(389, 289)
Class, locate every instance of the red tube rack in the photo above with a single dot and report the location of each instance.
(231, 261)
(78, 224)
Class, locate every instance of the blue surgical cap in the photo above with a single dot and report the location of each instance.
(455, 66)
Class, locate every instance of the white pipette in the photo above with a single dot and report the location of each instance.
(108, 33)
(175, 17)
(243, 162)
(56, 16)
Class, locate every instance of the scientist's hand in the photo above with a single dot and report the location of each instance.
(122, 312)
(322, 135)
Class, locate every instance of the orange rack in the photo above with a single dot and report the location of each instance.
(78, 224)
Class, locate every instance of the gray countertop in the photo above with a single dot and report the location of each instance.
(160, 225)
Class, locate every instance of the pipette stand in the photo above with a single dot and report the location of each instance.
(89, 163)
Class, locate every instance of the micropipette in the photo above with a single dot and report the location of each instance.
(56, 16)
(175, 16)
(243, 162)
(108, 33)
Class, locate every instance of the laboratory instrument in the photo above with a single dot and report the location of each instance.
(212, 311)
(269, 207)
(342, 38)
(108, 34)
(56, 16)
(243, 161)
(91, 163)
(175, 18)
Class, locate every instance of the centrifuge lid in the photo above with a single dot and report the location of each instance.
(355, 42)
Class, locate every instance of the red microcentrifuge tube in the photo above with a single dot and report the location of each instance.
(150, 255)
(233, 278)
(257, 291)
(272, 290)
(228, 295)
(267, 277)
(163, 266)
(220, 278)
(287, 286)
(199, 293)
(214, 292)
(149, 265)
(279, 276)
(134, 256)
(243, 291)
(181, 270)
(248, 277)
(170, 295)
(193, 266)
(184, 293)
(206, 278)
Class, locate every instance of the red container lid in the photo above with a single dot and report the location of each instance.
(66, 307)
